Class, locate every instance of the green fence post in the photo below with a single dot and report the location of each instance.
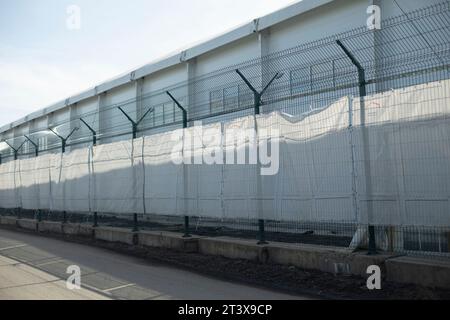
(95, 225)
(262, 233)
(135, 223)
(186, 227)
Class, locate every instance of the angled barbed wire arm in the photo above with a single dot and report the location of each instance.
(133, 123)
(63, 140)
(126, 115)
(185, 119)
(361, 72)
(9, 145)
(56, 134)
(276, 76)
(18, 149)
(21, 145)
(71, 133)
(94, 133)
(247, 82)
(36, 147)
(256, 94)
(14, 149)
(349, 54)
(67, 138)
(365, 141)
(145, 114)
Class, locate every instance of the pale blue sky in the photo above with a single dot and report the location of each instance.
(42, 61)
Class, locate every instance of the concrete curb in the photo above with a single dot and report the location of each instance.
(10, 221)
(327, 259)
(423, 272)
(27, 224)
(114, 235)
(50, 227)
(168, 240)
(233, 248)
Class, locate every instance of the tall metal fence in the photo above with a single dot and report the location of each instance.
(364, 151)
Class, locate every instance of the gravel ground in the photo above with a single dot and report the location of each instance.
(288, 279)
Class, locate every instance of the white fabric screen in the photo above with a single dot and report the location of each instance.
(321, 176)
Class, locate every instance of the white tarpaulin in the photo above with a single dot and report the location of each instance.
(318, 158)
(8, 194)
(69, 173)
(115, 177)
(162, 177)
(42, 178)
(29, 190)
(409, 138)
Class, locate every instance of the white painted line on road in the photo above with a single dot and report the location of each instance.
(97, 290)
(119, 287)
(13, 247)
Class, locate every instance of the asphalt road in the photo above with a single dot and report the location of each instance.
(35, 267)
